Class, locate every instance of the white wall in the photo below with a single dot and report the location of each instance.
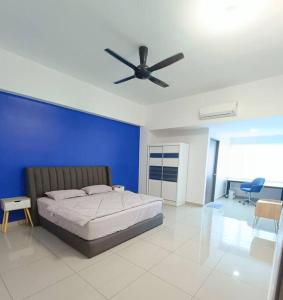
(198, 141)
(261, 98)
(25, 77)
(145, 139)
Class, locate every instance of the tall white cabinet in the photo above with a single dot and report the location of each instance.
(167, 172)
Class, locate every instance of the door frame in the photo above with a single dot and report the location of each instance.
(215, 167)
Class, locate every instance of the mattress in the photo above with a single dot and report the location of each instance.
(104, 225)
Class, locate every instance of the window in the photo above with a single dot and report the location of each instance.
(248, 161)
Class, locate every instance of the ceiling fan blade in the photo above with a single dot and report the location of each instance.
(125, 79)
(166, 62)
(120, 58)
(158, 82)
(143, 50)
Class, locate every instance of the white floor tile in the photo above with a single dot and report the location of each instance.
(149, 287)
(17, 255)
(182, 229)
(78, 261)
(28, 279)
(201, 253)
(67, 254)
(215, 241)
(223, 287)
(195, 220)
(4, 294)
(259, 249)
(184, 274)
(167, 239)
(71, 288)
(245, 269)
(111, 275)
(16, 236)
(143, 254)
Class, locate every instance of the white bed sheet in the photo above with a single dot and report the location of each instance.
(101, 226)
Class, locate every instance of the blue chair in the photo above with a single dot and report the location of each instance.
(252, 187)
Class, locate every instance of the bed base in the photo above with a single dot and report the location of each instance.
(97, 246)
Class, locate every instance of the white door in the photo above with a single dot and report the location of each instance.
(169, 190)
(154, 171)
(155, 156)
(171, 155)
(154, 187)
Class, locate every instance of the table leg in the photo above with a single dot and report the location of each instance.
(26, 216)
(6, 222)
(282, 194)
(276, 223)
(29, 216)
(3, 221)
(227, 188)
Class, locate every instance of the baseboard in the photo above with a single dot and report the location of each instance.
(245, 198)
(194, 204)
(172, 203)
(222, 196)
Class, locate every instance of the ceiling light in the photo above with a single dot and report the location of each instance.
(253, 130)
(219, 16)
(236, 273)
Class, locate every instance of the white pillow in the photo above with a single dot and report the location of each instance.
(97, 189)
(65, 194)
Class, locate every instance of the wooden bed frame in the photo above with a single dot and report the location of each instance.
(44, 179)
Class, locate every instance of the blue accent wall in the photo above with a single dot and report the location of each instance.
(34, 133)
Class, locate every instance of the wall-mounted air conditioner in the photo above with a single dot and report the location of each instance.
(218, 111)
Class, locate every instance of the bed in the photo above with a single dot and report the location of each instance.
(100, 234)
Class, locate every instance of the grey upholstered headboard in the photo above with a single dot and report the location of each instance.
(45, 179)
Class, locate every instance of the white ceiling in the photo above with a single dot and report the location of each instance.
(70, 35)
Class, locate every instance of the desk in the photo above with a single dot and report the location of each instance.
(273, 185)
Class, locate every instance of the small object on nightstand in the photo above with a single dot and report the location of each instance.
(118, 188)
(15, 203)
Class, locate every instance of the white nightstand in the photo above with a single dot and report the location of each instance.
(10, 204)
(118, 188)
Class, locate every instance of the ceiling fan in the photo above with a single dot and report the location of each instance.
(142, 71)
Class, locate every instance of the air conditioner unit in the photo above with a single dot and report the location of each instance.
(218, 111)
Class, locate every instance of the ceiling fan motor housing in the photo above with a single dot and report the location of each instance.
(141, 72)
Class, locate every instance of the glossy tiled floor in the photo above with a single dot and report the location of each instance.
(198, 253)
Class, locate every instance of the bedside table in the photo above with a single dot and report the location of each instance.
(15, 203)
(118, 188)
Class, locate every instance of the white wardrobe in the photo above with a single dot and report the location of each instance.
(167, 172)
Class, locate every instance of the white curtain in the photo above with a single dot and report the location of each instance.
(248, 161)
